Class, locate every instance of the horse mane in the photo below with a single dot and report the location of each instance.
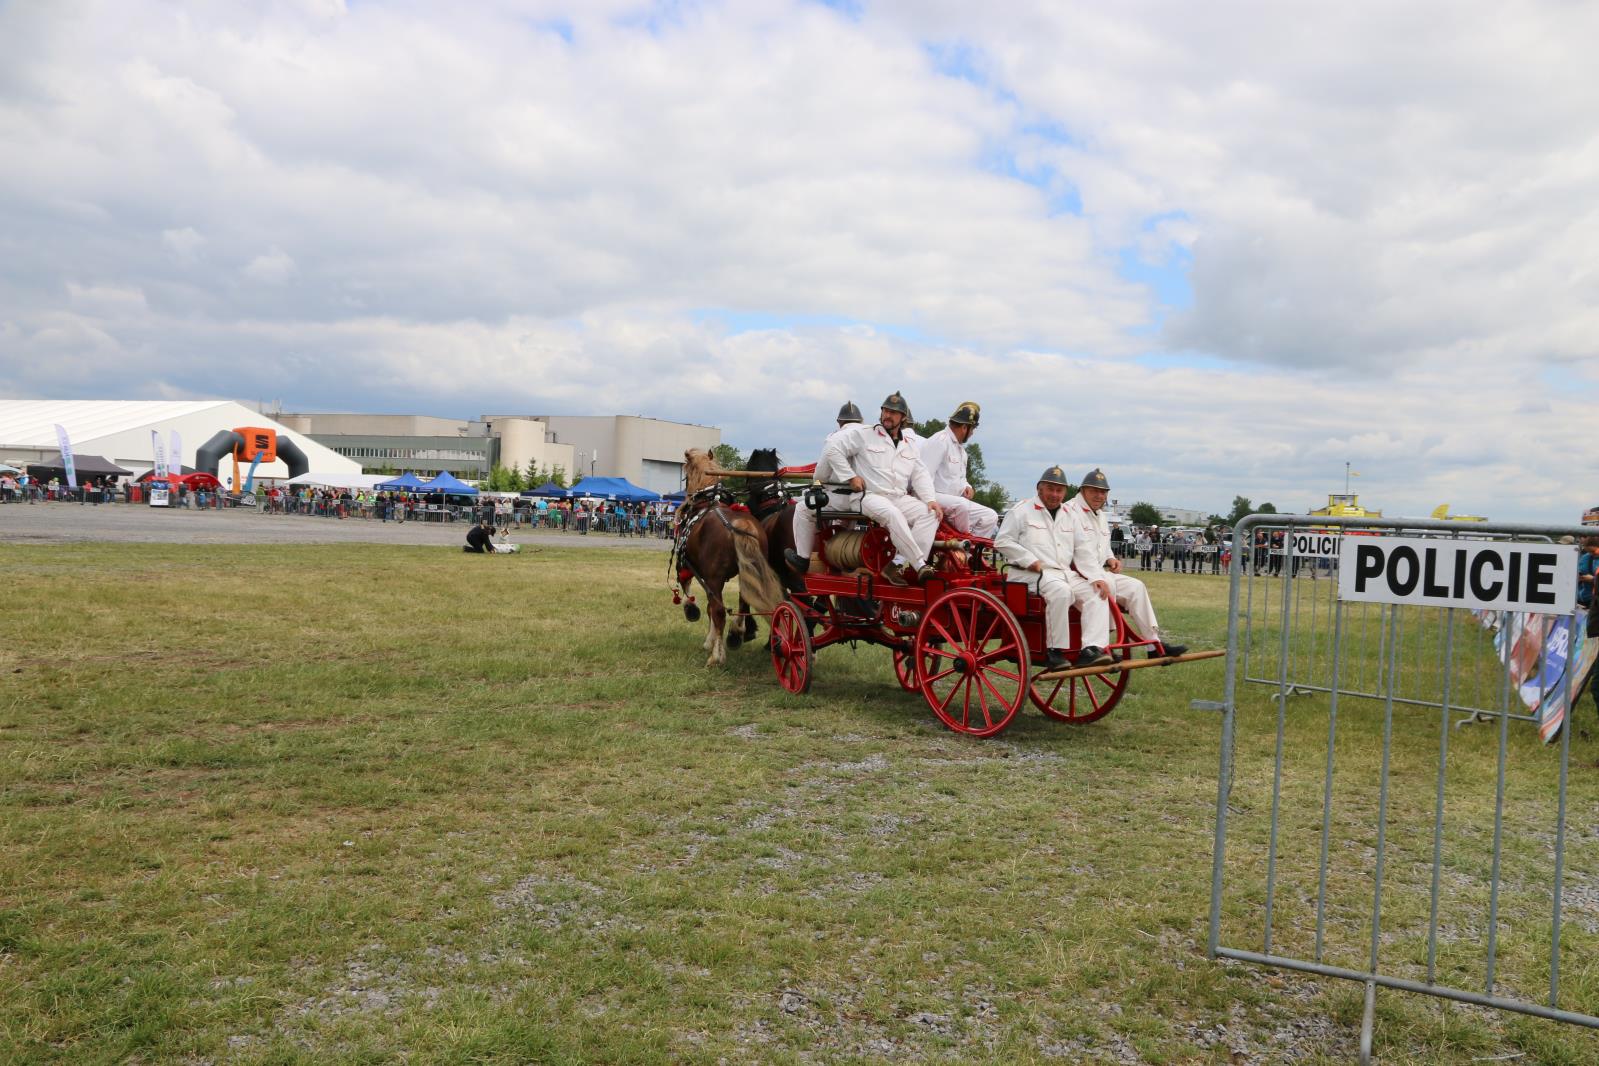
(697, 466)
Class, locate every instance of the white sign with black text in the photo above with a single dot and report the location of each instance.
(1316, 545)
(1483, 575)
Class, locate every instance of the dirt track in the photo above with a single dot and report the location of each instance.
(61, 523)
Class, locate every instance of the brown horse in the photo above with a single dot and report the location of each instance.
(771, 504)
(715, 541)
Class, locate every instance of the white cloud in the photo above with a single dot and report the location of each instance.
(1387, 211)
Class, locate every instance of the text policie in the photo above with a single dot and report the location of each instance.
(1532, 578)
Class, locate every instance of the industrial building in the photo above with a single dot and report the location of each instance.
(646, 451)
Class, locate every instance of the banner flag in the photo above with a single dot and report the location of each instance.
(66, 455)
(159, 473)
(175, 460)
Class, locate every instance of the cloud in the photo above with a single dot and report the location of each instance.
(1216, 250)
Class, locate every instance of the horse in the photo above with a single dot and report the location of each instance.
(715, 540)
(773, 507)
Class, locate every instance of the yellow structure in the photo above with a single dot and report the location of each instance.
(1443, 515)
(1345, 505)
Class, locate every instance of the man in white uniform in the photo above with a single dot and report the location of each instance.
(799, 555)
(883, 462)
(1036, 538)
(1094, 560)
(944, 455)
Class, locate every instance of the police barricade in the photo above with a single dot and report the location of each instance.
(1351, 845)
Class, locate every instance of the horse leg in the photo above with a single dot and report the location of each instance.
(716, 618)
(749, 620)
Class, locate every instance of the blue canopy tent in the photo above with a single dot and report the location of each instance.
(549, 488)
(450, 485)
(612, 488)
(406, 482)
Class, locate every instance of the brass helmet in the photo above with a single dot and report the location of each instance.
(1095, 480)
(1053, 476)
(965, 415)
(896, 402)
(849, 413)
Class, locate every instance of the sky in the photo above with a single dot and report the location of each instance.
(1214, 249)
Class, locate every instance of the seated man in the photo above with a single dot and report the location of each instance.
(944, 455)
(480, 538)
(804, 519)
(1036, 538)
(882, 462)
(1092, 557)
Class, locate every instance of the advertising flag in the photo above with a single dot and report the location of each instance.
(175, 460)
(66, 455)
(160, 471)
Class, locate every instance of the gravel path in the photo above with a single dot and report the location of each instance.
(62, 523)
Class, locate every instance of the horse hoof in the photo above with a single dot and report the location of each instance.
(691, 611)
(733, 641)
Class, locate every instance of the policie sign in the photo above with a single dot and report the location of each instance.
(1316, 545)
(1483, 575)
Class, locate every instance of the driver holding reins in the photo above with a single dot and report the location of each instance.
(883, 461)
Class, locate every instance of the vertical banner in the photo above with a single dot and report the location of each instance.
(66, 455)
(159, 472)
(175, 460)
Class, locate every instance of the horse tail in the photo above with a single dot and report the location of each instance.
(758, 584)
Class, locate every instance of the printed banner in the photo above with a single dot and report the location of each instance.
(159, 473)
(175, 460)
(1482, 575)
(66, 455)
(1539, 651)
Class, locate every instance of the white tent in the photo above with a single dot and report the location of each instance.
(340, 481)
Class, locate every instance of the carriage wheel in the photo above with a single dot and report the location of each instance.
(791, 648)
(1080, 700)
(905, 671)
(971, 662)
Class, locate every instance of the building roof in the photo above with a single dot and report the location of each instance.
(31, 423)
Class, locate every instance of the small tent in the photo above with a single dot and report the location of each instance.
(549, 488)
(613, 488)
(406, 482)
(450, 485)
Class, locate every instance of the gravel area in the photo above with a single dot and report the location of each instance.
(62, 523)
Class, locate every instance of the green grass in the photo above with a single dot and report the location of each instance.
(329, 804)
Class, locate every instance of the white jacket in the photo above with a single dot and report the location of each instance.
(945, 459)
(1091, 539)
(887, 468)
(1030, 535)
(826, 473)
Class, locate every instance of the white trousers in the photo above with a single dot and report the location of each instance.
(805, 519)
(969, 516)
(1133, 598)
(1061, 591)
(910, 524)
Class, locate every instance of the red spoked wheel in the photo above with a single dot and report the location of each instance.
(792, 654)
(971, 662)
(905, 671)
(1080, 700)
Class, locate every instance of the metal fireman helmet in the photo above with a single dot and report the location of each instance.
(896, 402)
(1095, 480)
(1053, 476)
(965, 415)
(849, 413)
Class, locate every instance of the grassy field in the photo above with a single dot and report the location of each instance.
(357, 804)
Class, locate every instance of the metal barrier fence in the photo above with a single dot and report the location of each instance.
(1362, 850)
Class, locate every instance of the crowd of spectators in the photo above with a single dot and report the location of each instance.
(1189, 551)
(580, 516)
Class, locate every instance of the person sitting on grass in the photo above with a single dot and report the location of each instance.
(480, 538)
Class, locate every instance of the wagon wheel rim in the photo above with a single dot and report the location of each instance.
(1087, 698)
(905, 670)
(792, 654)
(975, 676)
